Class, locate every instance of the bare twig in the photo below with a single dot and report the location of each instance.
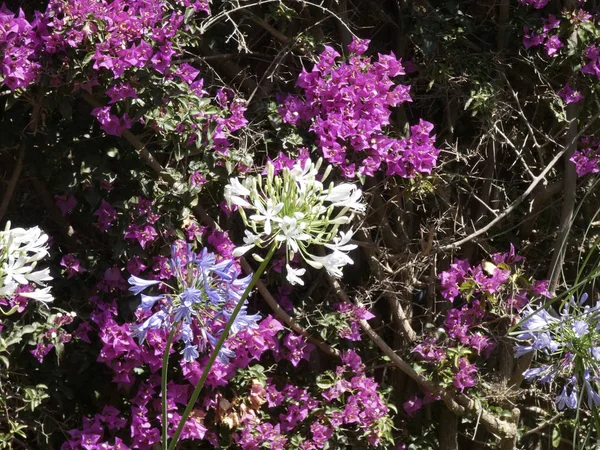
(269, 28)
(398, 313)
(14, 179)
(569, 188)
(524, 195)
(543, 425)
(340, 20)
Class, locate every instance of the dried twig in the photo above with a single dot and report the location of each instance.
(398, 313)
(569, 188)
(524, 195)
(268, 27)
(14, 179)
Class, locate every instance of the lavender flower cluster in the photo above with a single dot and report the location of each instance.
(570, 343)
(347, 104)
(200, 304)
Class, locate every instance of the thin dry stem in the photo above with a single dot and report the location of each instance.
(14, 179)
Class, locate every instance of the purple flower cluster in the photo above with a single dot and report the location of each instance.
(110, 123)
(414, 404)
(351, 400)
(20, 43)
(587, 158)
(537, 4)
(143, 218)
(121, 38)
(352, 314)
(17, 301)
(347, 104)
(54, 335)
(75, 23)
(570, 344)
(65, 202)
(569, 95)
(296, 348)
(490, 279)
(72, 265)
(551, 43)
(464, 374)
(207, 291)
(464, 333)
(106, 215)
(461, 325)
(486, 291)
(592, 65)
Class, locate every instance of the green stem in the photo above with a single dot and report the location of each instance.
(165, 366)
(220, 342)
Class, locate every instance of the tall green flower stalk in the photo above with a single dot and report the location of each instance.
(215, 352)
(293, 209)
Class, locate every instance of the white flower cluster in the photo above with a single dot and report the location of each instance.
(297, 209)
(20, 251)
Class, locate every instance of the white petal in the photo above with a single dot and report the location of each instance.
(39, 276)
(293, 275)
(41, 295)
(239, 251)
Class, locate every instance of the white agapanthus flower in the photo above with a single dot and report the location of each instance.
(296, 209)
(20, 251)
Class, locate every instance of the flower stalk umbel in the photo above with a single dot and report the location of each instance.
(20, 251)
(200, 310)
(219, 345)
(295, 208)
(571, 343)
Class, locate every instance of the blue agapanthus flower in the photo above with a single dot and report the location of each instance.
(569, 344)
(197, 302)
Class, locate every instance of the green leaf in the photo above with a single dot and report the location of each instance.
(556, 437)
(60, 351)
(189, 13)
(87, 59)
(28, 329)
(66, 110)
